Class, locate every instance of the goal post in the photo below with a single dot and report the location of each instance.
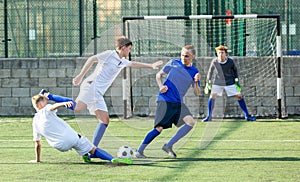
(253, 39)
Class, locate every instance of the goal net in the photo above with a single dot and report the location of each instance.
(253, 42)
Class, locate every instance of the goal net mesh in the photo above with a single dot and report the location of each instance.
(251, 42)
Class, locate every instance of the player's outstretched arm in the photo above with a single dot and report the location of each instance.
(88, 64)
(61, 104)
(155, 65)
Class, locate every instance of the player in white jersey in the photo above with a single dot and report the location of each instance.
(109, 65)
(60, 135)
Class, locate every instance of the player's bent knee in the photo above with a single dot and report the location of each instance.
(189, 120)
(159, 128)
(239, 96)
(214, 96)
(79, 106)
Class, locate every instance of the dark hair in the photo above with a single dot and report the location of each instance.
(122, 41)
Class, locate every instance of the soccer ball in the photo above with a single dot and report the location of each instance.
(125, 152)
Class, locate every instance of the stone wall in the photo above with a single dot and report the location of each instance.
(22, 78)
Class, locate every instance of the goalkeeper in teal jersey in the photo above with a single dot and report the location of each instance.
(223, 74)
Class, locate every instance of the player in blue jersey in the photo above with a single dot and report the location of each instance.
(60, 135)
(223, 75)
(181, 75)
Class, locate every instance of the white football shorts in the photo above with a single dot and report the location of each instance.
(93, 99)
(230, 90)
(83, 146)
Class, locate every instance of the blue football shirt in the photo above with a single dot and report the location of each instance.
(179, 79)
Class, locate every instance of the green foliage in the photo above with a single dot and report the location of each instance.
(266, 150)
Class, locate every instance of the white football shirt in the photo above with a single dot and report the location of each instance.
(108, 67)
(57, 132)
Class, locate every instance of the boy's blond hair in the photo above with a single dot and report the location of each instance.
(36, 99)
(222, 48)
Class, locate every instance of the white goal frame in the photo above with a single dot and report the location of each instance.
(246, 16)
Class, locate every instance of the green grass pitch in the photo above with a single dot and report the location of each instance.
(227, 150)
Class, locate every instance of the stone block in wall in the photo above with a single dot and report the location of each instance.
(6, 63)
(66, 63)
(47, 63)
(297, 110)
(31, 63)
(10, 111)
(70, 72)
(149, 91)
(29, 82)
(25, 102)
(289, 91)
(291, 110)
(10, 82)
(266, 111)
(20, 73)
(114, 101)
(26, 110)
(297, 90)
(5, 92)
(10, 101)
(58, 72)
(269, 91)
(64, 82)
(250, 91)
(47, 82)
(141, 101)
(117, 110)
(136, 91)
(116, 91)
(295, 71)
(52, 63)
(5, 73)
(293, 101)
(142, 82)
(153, 82)
(292, 81)
(20, 92)
(39, 73)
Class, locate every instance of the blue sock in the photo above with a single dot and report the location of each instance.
(210, 106)
(180, 133)
(98, 134)
(58, 98)
(243, 106)
(149, 137)
(99, 153)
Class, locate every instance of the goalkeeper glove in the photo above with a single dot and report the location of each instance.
(237, 85)
(207, 88)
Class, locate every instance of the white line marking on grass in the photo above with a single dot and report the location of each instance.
(262, 141)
